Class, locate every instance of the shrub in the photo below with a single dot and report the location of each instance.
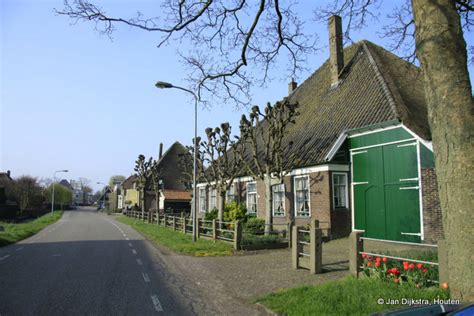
(234, 211)
(250, 239)
(211, 215)
(254, 226)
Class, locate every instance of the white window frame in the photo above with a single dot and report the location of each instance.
(202, 200)
(309, 196)
(346, 184)
(211, 197)
(247, 196)
(231, 197)
(283, 200)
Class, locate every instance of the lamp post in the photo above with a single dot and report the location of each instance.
(105, 187)
(54, 180)
(167, 85)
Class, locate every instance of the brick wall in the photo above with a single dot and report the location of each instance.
(432, 218)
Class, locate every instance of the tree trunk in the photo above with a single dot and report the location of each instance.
(441, 49)
(157, 202)
(268, 205)
(142, 200)
(221, 206)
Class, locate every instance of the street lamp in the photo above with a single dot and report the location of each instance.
(105, 187)
(54, 180)
(167, 85)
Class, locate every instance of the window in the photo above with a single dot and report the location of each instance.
(278, 200)
(231, 194)
(302, 196)
(202, 200)
(339, 185)
(252, 197)
(212, 199)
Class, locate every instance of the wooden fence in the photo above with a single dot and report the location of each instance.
(307, 247)
(210, 229)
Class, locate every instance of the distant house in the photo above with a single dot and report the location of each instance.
(366, 159)
(175, 195)
(6, 183)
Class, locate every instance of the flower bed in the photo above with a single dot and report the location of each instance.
(400, 272)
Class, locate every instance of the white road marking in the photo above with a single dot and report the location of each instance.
(139, 262)
(124, 235)
(146, 278)
(130, 244)
(156, 303)
(19, 249)
(57, 255)
(134, 251)
(127, 238)
(4, 257)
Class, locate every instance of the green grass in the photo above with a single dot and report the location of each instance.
(177, 241)
(17, 232)
(348, 296)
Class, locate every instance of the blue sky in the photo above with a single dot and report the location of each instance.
(73, 99)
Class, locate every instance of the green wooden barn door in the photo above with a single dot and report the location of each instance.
(368, 189)
(386, 196)
(402, 202)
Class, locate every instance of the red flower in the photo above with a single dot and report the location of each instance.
(405, 267)
(405, 263)
(425, 270)
(419, 266)
(396, 280)
(378, 259)
(377, 264)
(369, 264)
(364, 255)
(384, 259)
(411, 266)
(370, 258)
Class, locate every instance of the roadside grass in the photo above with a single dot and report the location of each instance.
(177, 241)
(17, 232)
(349, 296)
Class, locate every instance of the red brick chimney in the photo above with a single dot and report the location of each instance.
(336, 58)
(292, 86)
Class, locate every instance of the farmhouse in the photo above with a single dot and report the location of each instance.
(366, 159)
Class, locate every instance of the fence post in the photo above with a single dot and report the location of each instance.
(356, 246)
(443, 261)
(237, 234)
(174, 222)
(183, 222)
(294, 248)
(165, 220)
(198, 227)
(214, 230)
(289, 232)
(315, 252)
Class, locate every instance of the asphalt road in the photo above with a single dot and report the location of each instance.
(87, 264)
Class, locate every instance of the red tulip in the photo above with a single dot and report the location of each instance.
(425, 270)
(405, 263)
(419, 266)
(396, 280)
(411, 266)
(377, 264)
(384, 259)
(378, 259)
(405, 267)
(369, 264)
(364, 255)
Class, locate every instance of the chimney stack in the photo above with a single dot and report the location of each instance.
(292, 86)
(161, 150)
(8, 173)
(336, 58)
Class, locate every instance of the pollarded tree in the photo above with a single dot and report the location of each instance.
(27, 192)
(62, 195)
(223, 157)
(156, 175)
(271, 157)
(142, 169)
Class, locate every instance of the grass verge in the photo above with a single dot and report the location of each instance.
(17, 232)
(177, 241)
(348, 296)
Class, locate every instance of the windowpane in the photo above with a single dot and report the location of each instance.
(302, 196)
(251, 197)
(212, 199)
(278, 200)
(202, 200)
(340, 190)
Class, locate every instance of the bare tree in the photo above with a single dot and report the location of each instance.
(264, 132)
(223, 157)
(156, 175)
(86, 190)
(142, 169)
(27, 192)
